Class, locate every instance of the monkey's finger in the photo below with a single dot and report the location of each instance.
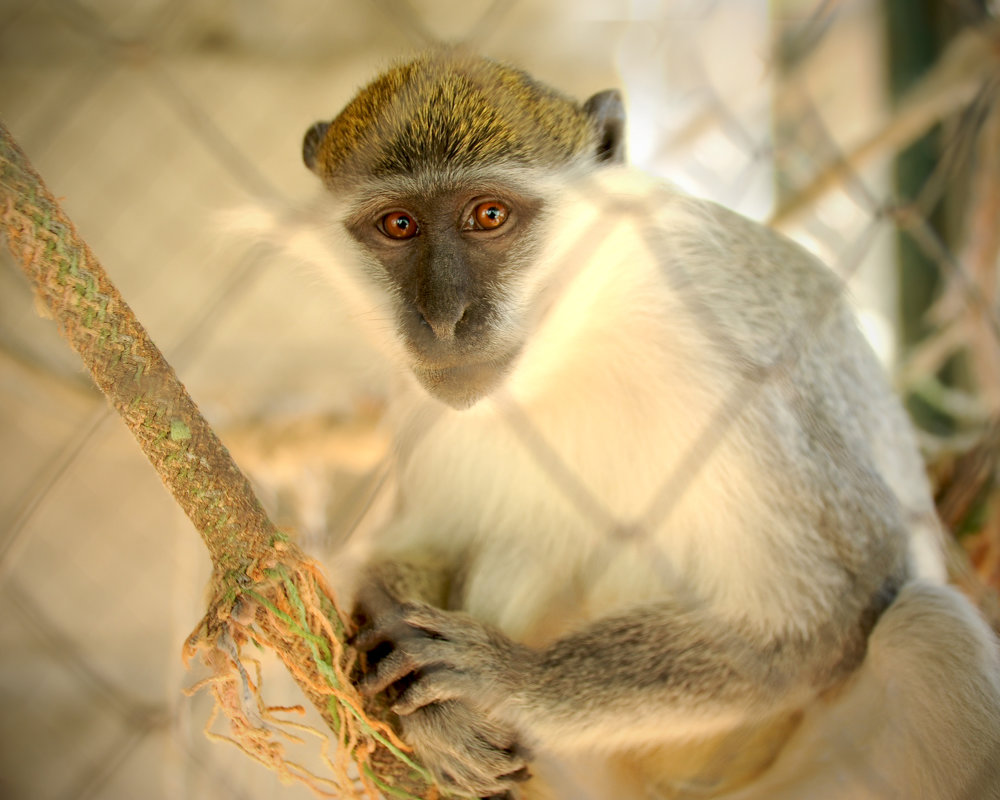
(517, 776)
(429, 619)
(391, 669)
(389, 628)
(398, 622)
(373, 602)
(368, 639)
(435, 686)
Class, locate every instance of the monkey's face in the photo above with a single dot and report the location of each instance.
(429, 156)
(452, 260)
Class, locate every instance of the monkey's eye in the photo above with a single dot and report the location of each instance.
(398, 225)
(487, 216)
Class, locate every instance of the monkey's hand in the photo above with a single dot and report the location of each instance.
(443, 674)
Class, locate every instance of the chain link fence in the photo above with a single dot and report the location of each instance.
(151, 117)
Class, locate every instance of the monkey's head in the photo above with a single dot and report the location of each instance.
(444, 167)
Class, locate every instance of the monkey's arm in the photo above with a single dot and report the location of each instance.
(653, 672)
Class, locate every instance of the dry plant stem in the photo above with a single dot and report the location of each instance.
(971, 59)
(982, 259)
(982, 253)
(965, 315)
(969, 481)
(265, 589)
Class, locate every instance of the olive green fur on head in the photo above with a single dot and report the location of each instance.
(450, 109)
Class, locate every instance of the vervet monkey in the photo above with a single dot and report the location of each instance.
(662, 530)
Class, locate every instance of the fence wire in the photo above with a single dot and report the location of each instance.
(149, 116)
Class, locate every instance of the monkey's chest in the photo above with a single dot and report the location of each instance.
(559, 513)
(534, 593)
(557, 519)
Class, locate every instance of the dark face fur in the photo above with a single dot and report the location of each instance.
(452, 276)
(447, 234)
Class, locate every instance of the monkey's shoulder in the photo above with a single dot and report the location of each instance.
(682, 225)
(732, 277)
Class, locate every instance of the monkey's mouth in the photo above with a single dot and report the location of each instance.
(461, 386)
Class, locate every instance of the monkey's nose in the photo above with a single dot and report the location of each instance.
(444, 321)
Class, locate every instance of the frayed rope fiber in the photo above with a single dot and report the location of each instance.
(264, 589)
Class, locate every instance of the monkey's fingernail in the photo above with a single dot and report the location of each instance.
(410, 698)
(395, 668)
(404, 705)
(404, 708)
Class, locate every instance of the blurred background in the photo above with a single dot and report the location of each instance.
(867, 129)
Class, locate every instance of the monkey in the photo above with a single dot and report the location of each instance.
(661, 529)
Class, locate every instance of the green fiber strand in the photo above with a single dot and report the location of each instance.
(296, 598)
(378, 737)
(312, 639)
(292, 624)
(385, 787)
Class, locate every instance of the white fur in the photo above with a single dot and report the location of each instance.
(581, 365)
(614, 468)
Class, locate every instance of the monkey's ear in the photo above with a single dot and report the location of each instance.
(607, 110)
(310, 144)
